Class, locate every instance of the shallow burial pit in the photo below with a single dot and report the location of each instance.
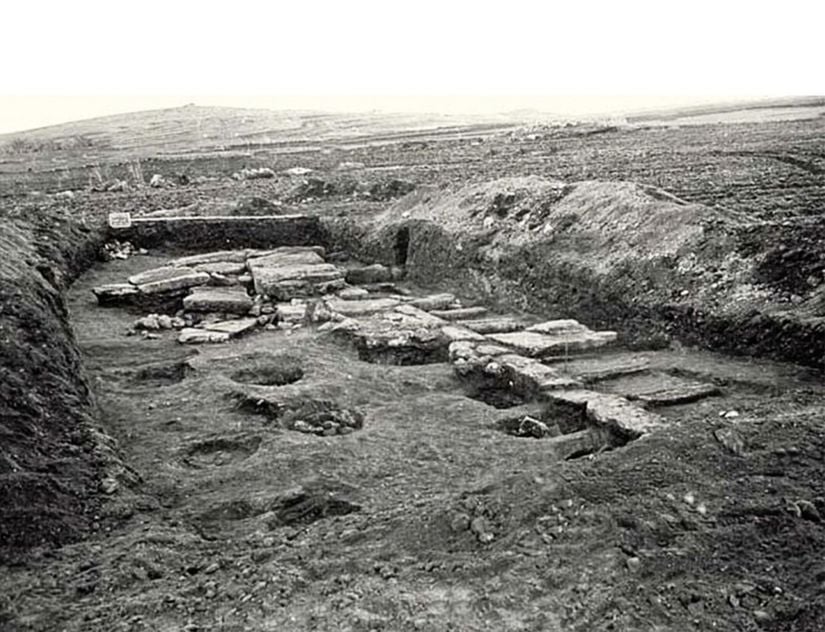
(496, 395)
(310, 502)
(313, 501)
(304, 414)
(279, 373)
(565, 428)
(221, 450)
(162, 373)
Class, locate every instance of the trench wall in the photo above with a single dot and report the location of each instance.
(634, 299)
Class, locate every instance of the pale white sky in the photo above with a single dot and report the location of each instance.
(636, 48)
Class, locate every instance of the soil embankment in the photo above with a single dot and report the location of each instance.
(616, 255)
(51, 458)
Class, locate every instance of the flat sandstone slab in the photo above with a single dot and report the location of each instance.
(541, 345)
(363, 307)
(613, 412)
(218, 299)
(455, 333)
(462, 313)
(270, 280)
(559, 327)
(425, 318)
(434, 301)
(494, 325)
(233, 256)
(190, 336)
(234, 328)
(287, 257)
(528, 374)
(158, 274)
(183, 278)
(222, 267)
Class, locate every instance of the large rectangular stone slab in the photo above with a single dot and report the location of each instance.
(425, 318)
(233, 299)
(462, 313)
(494, 325)
(661, 389)
(558, 327)
(528, 375)
(612, 412)
(158, 274)
(290, 281)
(233, 256)
(576, 444)
(285, 257)
(537, 345)
(607, 367)
(234, 328)
(364, 307)
(434, 301)
(222, 267)
(454, 333)
(184, 278)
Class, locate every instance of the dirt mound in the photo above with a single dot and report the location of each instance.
(611, 221)
(616, 255)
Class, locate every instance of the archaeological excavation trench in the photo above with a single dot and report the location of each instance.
(289, 392)
(205, 360)
(208, 362)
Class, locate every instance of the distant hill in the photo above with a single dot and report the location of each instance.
(190, 130)
(194, 128)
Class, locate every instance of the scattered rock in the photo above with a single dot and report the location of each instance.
(199, 336)
(253, 174)
(149, 323)
(731, 440)
(233, 300)
(353, 293)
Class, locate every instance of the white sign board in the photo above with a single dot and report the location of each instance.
(120, 220)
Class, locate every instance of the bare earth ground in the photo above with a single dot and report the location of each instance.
(702, 537)
(430, 517)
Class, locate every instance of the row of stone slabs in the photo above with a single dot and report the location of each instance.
(293, 286)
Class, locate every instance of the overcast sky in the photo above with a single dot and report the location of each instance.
(636, 48)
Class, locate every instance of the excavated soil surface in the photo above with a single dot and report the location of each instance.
(433, 516)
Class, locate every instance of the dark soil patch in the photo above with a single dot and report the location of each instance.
(270, 375)
(162, 374)
(497, 396)
(554, 420)
(312, 502)
(306, 415)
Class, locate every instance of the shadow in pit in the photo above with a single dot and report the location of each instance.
(220, 450)
(162, 373)
(566, 428)
(301, 413)
(310, 502)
